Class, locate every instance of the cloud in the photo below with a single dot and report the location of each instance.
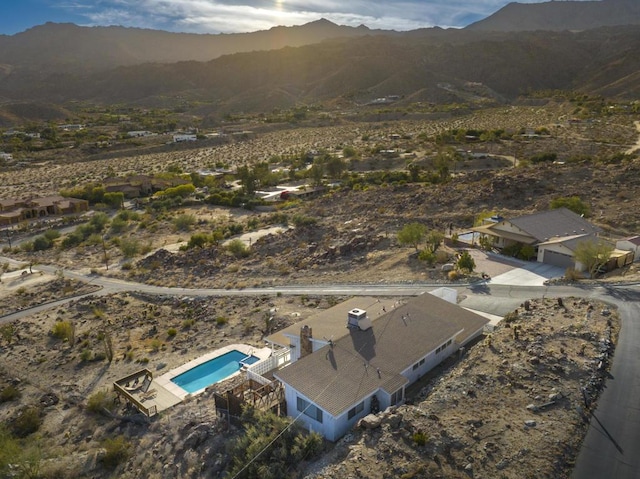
(227, 16)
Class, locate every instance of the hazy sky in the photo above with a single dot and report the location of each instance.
(228, 16)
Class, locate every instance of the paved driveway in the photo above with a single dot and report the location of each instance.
(529, 274)
(511, 271)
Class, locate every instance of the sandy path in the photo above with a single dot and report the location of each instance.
(636, 147)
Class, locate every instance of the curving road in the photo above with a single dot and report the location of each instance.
(611, 446)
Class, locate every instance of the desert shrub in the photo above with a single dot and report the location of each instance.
(187, 323)
(41, 243)
(302, 220)
(184, 222)
(27, 422)
(511, 317)
(100, 401)
(527, 252)
(427, 256)
(512, 250)
(86, 355)
(543, 157)
(442, 257)
(571, 274)
(156, 344)
(466, 262)
(271, 446)
(7, 332)
(52, 234)
(9, 393)
(198, 240)
(27, 246)
(72, 240)
(118, 225)
(172, 332)
(63, 330)
(221, 320)
(419, 438)
(117, 451)
(237, 248)
(128, 266)
(130, 247)
(453, 275)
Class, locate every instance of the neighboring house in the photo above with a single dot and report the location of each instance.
(350, 361)
(139, 133)
(630, 244)
(554, 234)
(14, 211)
(139, 185)
(181, 138)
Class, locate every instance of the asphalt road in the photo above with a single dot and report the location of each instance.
(612, 445)
(611, 448)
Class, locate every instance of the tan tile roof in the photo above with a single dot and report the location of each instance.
(339, 376)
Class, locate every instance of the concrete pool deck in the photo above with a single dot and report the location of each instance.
(164, 382)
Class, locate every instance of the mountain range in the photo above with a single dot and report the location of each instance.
(497, 59)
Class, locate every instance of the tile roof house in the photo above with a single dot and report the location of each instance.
(14, 211)
(367, 368)
(555, 234)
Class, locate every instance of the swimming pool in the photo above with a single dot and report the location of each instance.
(213, 371)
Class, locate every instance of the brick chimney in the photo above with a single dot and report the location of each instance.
(306, 346)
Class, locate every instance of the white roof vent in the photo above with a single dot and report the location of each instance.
(357, 318)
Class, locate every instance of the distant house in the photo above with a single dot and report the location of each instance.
(13, 211)
(139, 133)
(184, 137)
(139, 185)
(71, 127)
(554, 234)
(359, 356)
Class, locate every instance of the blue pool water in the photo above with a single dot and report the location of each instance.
(212, 371)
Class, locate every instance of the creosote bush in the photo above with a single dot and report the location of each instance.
(100, 401)
(27, 422)
(63, 330)
(117, 451)
(9, 393)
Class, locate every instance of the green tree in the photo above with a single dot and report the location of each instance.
(466, 262)
(412, 234)
(335, 167)
(414, 172)
(247, 179)
(434, 239)
(114, 199)
(316, 172)
(573, 203)
(593, 255)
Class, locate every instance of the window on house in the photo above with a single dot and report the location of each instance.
(438, 350)
(449, 342)
(355, 410)
(421, 361)
(308, 409)
(415, 366)
(397, 396)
